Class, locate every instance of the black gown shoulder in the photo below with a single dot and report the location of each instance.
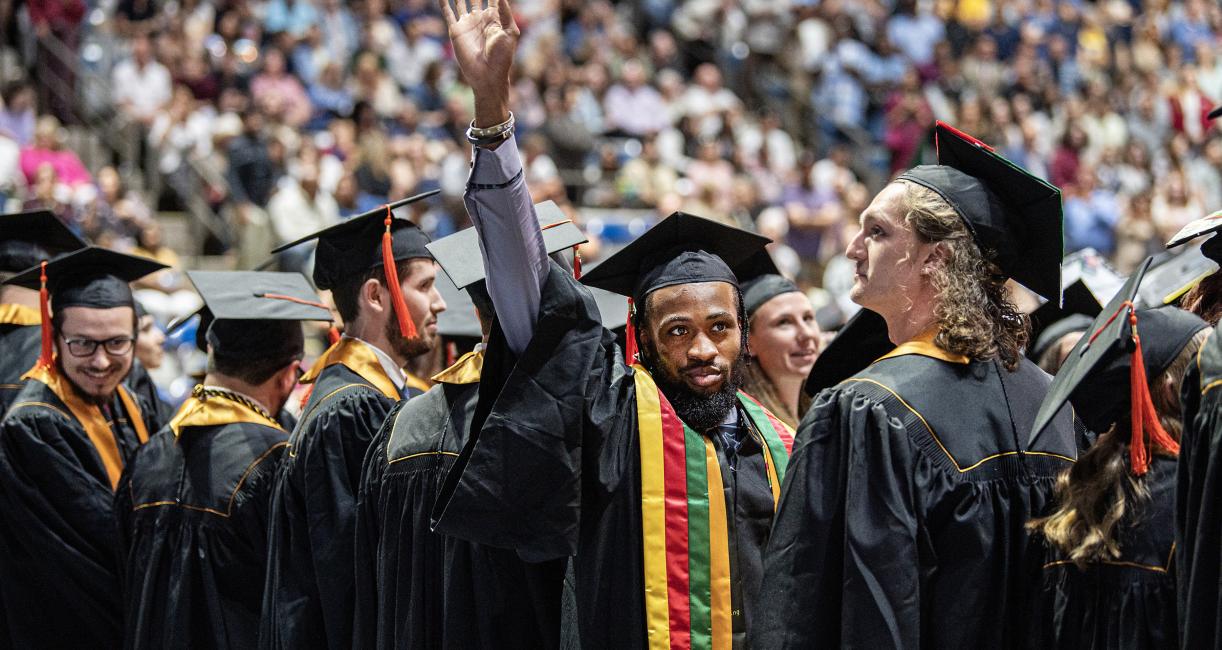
(192, 510)
(1126, 603)
(1198, 504)
(902, 517)
(308, 591)
(19, 348)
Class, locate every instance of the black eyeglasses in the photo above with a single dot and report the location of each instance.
(117, 346)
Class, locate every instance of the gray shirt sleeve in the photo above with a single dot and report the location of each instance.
(510, 241)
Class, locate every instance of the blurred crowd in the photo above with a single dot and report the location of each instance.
(780, 115)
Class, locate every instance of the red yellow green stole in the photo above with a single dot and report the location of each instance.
(684, 520)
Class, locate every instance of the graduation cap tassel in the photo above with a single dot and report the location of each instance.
(1145, 419)
(45, 355)
(630, 335)
(406, 326)
(332, 335)
(576, 264)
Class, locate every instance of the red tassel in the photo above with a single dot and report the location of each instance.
(46, 356)
(1145, 419)
(406, 326)
(451, 353)
(630, 351)
(576, 264)
(333, 335)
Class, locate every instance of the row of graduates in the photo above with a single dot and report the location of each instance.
(559, 489)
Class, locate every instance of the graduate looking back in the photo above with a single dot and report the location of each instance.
(63, 444)
(659, 479)
(901, 522)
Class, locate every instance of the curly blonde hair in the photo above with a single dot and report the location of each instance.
(975, 316)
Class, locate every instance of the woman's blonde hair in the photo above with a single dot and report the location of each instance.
(974, 313)
(1095, 494)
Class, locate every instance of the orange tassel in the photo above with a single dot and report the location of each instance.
(1145, 419)
(576, 264)
(451, 353)
(333, 335)
(406, 326)
(630, 351)
(46, 356)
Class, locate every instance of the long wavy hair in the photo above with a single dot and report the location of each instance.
(974, 312)
(1096, 493)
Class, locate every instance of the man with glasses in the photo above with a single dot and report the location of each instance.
(192, 505)
(63, 445)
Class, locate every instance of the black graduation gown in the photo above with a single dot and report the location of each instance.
(1123, 604)
(59, 549)
(192, 511)
(420, 589)
(308, 592)
(901, 522)
(19, 348)
(1198, 502)
(554, 471)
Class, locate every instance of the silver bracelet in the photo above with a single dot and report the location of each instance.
(477, 133)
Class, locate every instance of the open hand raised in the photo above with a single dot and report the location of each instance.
(484, 39)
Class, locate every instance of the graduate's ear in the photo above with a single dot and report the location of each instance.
(374, 296)
(937, 255)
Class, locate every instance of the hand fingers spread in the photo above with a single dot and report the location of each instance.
(447, 11)
(506, 15)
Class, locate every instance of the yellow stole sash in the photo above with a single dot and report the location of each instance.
(91, 419)
(216, 411)
(11, 314)
(358, 357)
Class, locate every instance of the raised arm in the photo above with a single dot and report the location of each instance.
(484, 40)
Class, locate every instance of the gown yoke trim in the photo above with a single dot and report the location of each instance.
(232, 496)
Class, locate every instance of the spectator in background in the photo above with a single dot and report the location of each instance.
(279, 94)
(17, 112)
(48, 150)
(409, 58)
(370, 84)
(137, 17)
(252, 176)
(1174, 205)
(340, 33)
(633, 107)
(1091, 213)
(298, 208)
(707, 101)
(60, 20)
(141, 85)
(291, 17)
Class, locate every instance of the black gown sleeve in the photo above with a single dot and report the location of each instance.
(836, 576)
(365, 549)
(310, 556)
(519, 483)
(58, 547)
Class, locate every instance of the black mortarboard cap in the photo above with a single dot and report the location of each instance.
(682, 248)
(90, 277)
(28, 238)
(1014, 217)
(1050, 322)
(1095, 375)
(861, 341)
(459, 320)
(761, 281)
(354, 246)
(256, 314)
(459, 253)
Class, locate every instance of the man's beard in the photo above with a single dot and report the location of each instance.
(403, 346)
(699, 411)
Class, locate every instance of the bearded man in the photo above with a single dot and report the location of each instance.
(381, 279)
(658, 478)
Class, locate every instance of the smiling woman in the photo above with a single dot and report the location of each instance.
(782, 345)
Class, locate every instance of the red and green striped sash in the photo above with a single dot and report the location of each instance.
(683, 516)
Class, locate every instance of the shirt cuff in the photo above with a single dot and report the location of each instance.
(496, 166)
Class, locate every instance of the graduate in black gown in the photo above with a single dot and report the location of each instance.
(63, 445)
(192, 505)
(390, 315)
(26, 239)
(420, 589)
(901, 523)
(1198, 531)
(1109, 578)
(658, 478)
